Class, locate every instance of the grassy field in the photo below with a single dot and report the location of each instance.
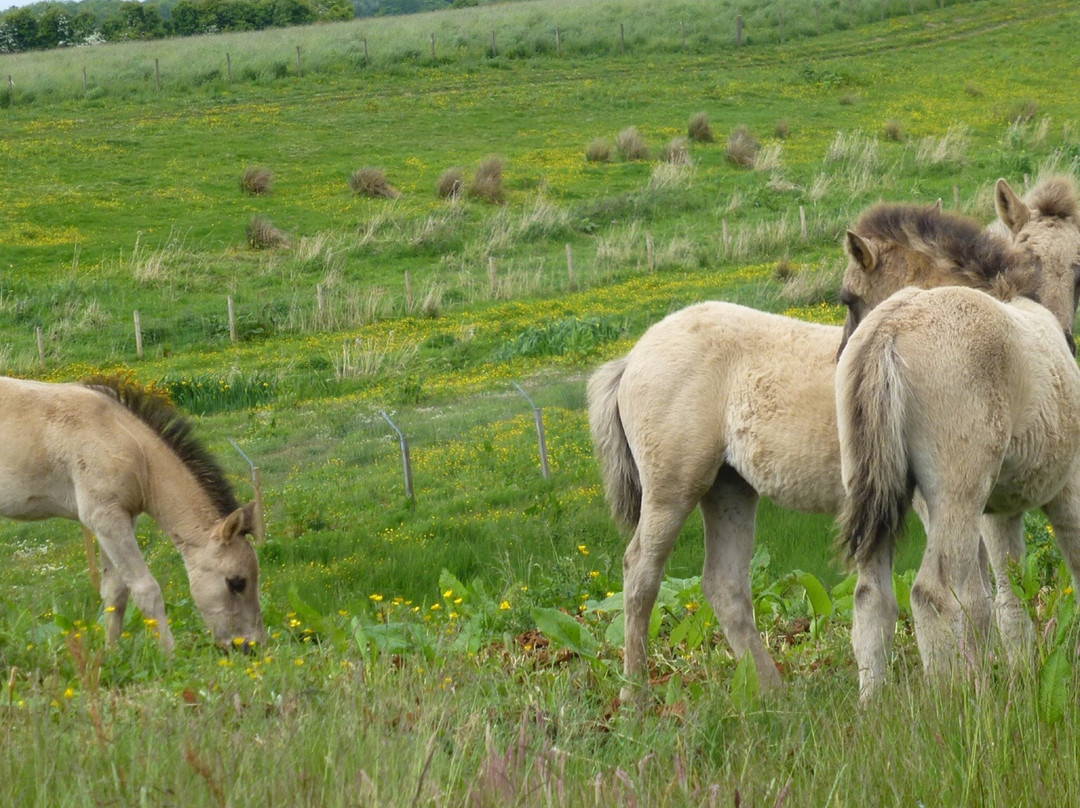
(403, 668)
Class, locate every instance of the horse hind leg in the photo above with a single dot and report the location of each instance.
(643, 568)
(729, 511)
(874, 622)
(948, 567)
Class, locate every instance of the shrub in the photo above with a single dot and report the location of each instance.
(677, 152)
(742, 146)
(261, 234)
(487, 182)
(450, 184)
(599, 151)
(699, 130)
(849, 99)
(257, 181)
(894, 130)
(1024, 111)
(631, 144)
(782, 130)
(372, 182)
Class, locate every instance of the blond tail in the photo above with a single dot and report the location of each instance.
(877, 476)
(621, 481)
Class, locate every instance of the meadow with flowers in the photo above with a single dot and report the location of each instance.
(463, 646)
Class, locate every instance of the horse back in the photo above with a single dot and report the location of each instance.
(63, 443)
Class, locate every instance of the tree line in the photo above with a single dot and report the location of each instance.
(58, 25)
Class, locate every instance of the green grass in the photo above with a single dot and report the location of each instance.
(129, 199)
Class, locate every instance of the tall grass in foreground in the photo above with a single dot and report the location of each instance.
(528, 726)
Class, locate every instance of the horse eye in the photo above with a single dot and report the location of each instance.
(847, 298)
(236, 585)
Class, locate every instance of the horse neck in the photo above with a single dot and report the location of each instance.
(177, 502)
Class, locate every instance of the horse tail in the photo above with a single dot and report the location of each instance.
(621, 480)
(877, 476)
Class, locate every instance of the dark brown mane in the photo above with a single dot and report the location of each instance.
(956, 244)
(1055, 197)
(158, 413)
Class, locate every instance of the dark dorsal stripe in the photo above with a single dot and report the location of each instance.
(957, 243)
(158, 413)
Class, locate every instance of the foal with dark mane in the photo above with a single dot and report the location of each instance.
(719, 404)
(975, 400)
(105, 451)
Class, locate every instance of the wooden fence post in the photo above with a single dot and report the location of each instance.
(956, 197)
(492, 280)
(157, 75)
(232, 320)
(649, 255)
(299, 67)
(408, 291)
(320, 303)
(84, 85)
(738, 31)
(802, 223)
(367, 60)
(138, 335)
(725, 236)
(433, 47)
(228, 66)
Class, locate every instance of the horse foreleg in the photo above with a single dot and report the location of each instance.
(1004, 538)
(116, 536)
(874, 621)
(114, 594)
(729, 511)
(643, 568)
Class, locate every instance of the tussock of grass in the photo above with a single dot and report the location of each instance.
(451, 184)
(598, 151)
(677, 152)
(894, 130)
(371, 182)
(700, 130)
(262, 234)
(487, 182)
(742, 146)
(948, 150)
(631, 145)
(257, 181)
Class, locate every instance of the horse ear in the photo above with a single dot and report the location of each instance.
(860, 249)
(1012, 211)
(239, 523)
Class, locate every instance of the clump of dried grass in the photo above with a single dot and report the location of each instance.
(631, 145)
(450, 184)
(598, 151)
(371, 182)
(782, 130)
(742, 146)
(894, 130)
(948, 150)
(261, 234)
(699, 130)
(677, 152)
(257, 181)
(487, 183)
